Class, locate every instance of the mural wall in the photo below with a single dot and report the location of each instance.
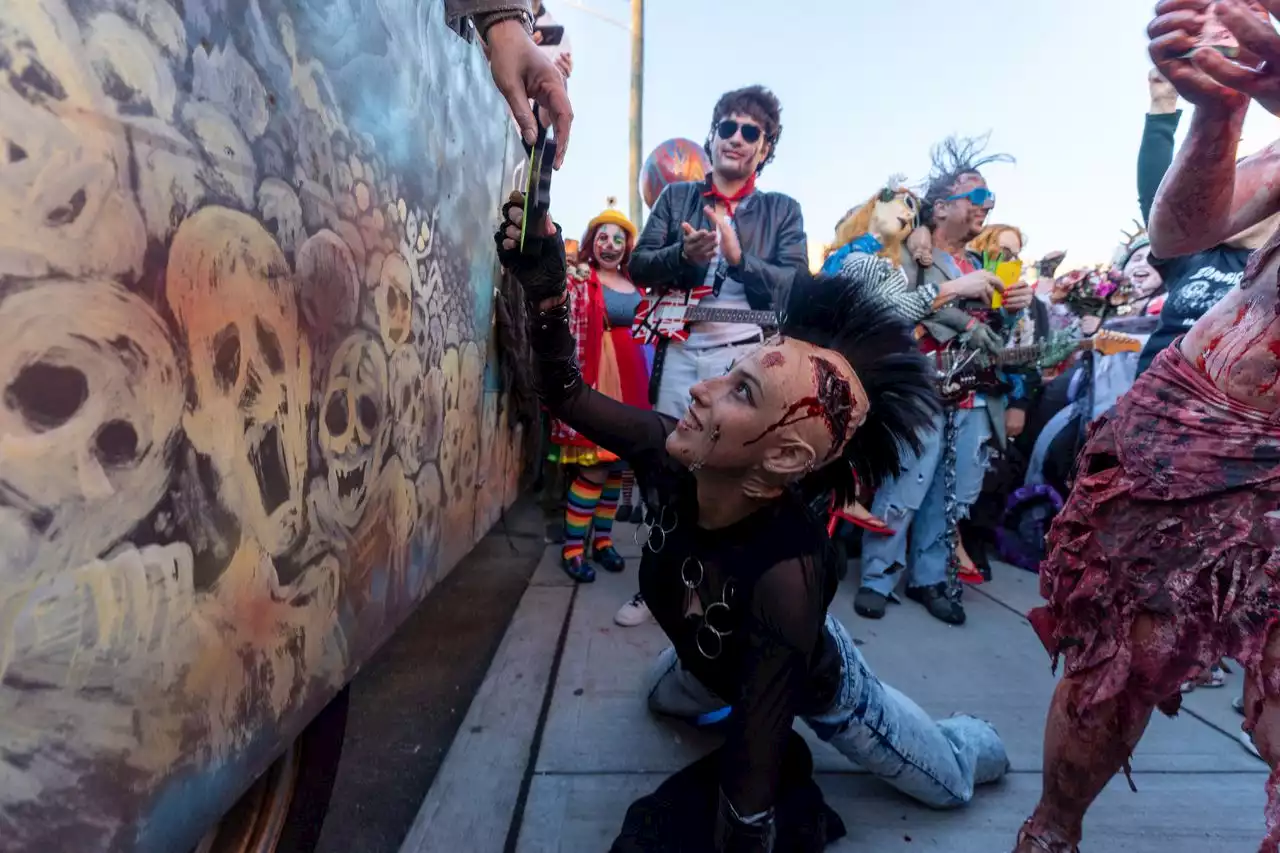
(246, 290)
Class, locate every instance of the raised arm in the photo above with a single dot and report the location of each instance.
(455, 9)
(1206, 198)
(1156, 151)
(629, 432)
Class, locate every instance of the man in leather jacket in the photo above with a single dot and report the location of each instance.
(745, 244)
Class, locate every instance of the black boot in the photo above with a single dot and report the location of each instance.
(940, 605)
(869, 604)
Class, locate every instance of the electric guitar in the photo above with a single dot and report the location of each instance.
(962, 372)
(668, 315)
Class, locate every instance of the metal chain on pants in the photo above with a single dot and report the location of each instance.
(951, 506)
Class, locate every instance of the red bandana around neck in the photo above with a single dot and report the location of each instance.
(730, 202)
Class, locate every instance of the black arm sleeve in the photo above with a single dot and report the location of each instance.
(653, 263)
(785, 622)
(1155, 157)
(625, 430)
(767, 279)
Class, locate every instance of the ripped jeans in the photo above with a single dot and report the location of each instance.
(913, 504)
(881, 730)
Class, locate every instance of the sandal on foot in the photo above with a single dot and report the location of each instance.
(1212, 680)
(1041, 844)
(577, 568)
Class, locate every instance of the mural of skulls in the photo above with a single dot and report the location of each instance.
(90, 404)
(426, 544)
(393, 301)
(64, 204)
(354, 427)
(414, 416)
(330, 286)
(232, 293)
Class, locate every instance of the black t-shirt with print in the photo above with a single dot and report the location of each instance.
(1195, 284)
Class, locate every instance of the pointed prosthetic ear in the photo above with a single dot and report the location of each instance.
(791, 459)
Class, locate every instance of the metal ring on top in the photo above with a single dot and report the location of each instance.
(707, 637)
(702, 572)
(708, 621)
(661, 536)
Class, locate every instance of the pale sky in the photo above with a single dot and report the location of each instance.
(867, 87)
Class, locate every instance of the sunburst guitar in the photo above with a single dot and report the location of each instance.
(962, 372)
(668, 315)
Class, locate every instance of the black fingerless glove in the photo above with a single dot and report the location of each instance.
(540, 268)
(736, 835)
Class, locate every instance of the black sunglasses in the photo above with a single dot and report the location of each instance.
(728, 127)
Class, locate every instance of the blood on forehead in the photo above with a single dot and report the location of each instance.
(833, 402)
(836, 399)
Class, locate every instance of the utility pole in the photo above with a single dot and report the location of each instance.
(637, 104)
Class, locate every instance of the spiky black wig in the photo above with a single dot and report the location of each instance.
(952, 159)
(846, 315)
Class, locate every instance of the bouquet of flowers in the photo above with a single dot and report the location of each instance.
(1089, 292)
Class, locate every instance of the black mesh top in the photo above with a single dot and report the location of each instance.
(775, 573)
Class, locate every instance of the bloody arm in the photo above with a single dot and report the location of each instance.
(1206, 198)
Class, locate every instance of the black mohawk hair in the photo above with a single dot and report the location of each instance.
(846, 314)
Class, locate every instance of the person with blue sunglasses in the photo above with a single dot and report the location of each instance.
(922, 506)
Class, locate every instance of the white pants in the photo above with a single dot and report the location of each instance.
(683, 368)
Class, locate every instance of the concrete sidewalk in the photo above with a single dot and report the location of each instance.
(558, 741)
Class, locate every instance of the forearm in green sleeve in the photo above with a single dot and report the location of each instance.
(1155, 156)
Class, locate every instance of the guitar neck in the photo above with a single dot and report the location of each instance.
(731, 315)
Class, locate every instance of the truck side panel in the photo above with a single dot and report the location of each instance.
(248, 415)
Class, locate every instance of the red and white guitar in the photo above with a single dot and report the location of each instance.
(667, 315)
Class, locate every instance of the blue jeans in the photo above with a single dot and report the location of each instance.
(913, 505)
(880, 729)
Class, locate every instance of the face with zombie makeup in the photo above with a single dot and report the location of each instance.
(1144, 277)
(786, 410)
(233, 295)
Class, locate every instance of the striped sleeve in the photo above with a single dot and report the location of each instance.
(889, 283)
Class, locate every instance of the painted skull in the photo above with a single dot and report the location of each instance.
(393, 300)
(90, 404)
(233, 295)
(417, 401)
(353, 423)
(65, 198)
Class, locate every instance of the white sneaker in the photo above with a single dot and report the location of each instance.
(1246, 740)
(634, 612)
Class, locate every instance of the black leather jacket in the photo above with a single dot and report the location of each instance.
(770, 228)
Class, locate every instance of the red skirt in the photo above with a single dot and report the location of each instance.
(623, 375)
(1168, 519)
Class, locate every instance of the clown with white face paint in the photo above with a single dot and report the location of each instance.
(738, 568)
(604, 303)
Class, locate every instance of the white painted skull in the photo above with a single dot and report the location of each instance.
(232, 293)
(354, 427)
(91, 399)
(393, 301)
(412, 409)
(66, 207)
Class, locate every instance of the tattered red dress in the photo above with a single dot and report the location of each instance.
(1169, 518)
